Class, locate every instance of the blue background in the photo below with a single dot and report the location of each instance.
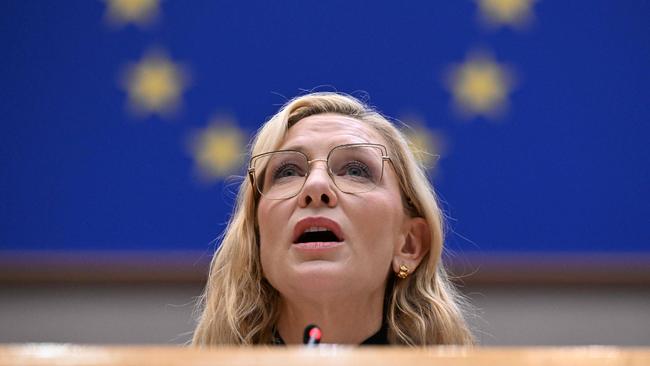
(565, 170)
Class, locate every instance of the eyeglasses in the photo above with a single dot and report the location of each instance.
(354, 168)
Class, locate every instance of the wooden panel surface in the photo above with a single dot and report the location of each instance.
(73, 355)
(41, 267)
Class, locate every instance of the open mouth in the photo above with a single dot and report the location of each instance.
(317, 234)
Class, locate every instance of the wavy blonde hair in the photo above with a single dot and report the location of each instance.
(239, 306)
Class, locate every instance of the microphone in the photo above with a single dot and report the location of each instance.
(312, 335)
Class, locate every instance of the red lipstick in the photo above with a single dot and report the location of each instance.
(317, 222)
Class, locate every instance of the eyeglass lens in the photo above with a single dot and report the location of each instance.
(354, 169)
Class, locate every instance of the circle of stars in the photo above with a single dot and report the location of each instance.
(155, 85)
(480, 86)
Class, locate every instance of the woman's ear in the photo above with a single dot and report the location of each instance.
(414, 246)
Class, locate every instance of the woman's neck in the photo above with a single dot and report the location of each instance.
(342, 321)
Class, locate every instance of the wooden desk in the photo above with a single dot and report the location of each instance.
(76, 355)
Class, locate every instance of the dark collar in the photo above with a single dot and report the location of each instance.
(381, 337)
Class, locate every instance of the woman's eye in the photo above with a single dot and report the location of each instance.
(356, 169)
(284, 171)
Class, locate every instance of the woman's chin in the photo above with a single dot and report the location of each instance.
(321, 275)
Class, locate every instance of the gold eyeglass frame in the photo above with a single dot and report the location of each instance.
(251, 169)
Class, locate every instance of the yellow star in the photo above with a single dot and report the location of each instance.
(218, 149)
(516, 13)
(141, 12)
(155, 84)
(427, 145)
(480, 86)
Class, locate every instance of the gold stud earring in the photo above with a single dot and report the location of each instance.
(403, 272)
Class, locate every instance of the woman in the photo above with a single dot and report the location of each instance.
(337, 226)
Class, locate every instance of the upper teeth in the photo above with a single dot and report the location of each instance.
(316, 228)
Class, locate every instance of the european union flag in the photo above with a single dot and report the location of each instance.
(125, 123)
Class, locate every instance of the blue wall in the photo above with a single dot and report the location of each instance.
(565, 167)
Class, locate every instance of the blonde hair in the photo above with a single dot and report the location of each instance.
(239, 306)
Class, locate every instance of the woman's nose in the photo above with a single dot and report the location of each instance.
(319, 189)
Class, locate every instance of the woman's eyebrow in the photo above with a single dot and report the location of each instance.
(300, 148)
(305, 149)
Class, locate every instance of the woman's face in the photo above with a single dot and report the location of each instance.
(369, 225)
